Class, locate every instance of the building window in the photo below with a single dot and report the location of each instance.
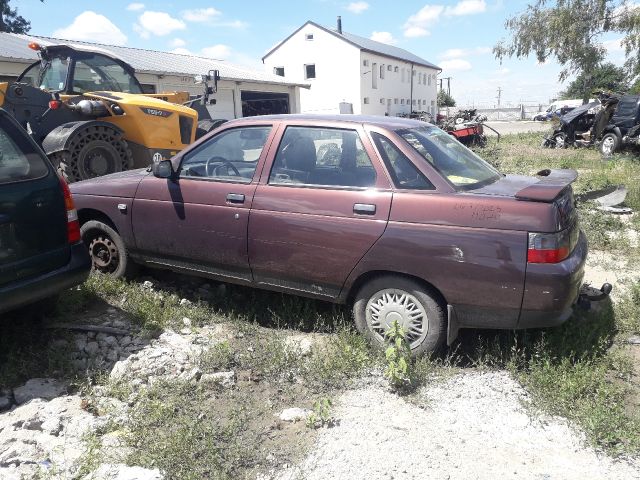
(429, 79)
(419, 79)
(374, 75)
(382, 101)
(413, 102)
(278, 71)
(146, 87)
(381, 72)
(389, 68)
(365, 63)
(402, 101)
(308, 36)
(408, 102)
(413, 73)
(366, 100)
(395, 69)
(395, 101)
(310, 71)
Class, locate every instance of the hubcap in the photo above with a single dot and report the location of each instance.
(389, 305)
(104, 254)
(607, 146)
(559, 141)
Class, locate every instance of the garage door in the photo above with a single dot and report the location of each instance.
(264, 103)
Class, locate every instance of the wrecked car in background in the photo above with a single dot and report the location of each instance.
(393, 216)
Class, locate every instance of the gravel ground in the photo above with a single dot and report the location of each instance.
(474, 426)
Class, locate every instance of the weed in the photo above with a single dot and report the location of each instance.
(398, 357)
(321, 415)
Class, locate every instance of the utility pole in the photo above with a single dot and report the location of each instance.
(499, 95)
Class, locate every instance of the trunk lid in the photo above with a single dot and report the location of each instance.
(33, 218)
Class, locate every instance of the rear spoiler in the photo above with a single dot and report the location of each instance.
(550, 184)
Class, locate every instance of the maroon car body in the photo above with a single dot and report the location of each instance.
(260, 222)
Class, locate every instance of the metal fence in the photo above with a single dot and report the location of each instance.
(523, 112)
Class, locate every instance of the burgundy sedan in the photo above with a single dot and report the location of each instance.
(391, 215)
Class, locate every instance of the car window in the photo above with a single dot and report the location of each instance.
(457, 163)
(403, 172)
(322, 156)
(102, 73)
(19, 160)
(231, 155)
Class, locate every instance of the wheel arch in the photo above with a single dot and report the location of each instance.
(60, 138)
(87, 214)
(365, 277)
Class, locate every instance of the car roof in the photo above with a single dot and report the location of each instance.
(391, 123)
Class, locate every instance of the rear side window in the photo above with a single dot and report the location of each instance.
(19, 160)
(323, 157)
(404, 173)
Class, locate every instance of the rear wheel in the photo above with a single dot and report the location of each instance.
(108, 252)
(415, 307)
(609, 144)
(560, 140)
(95, 151)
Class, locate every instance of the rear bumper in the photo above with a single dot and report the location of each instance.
(24, 292)
(551, 289)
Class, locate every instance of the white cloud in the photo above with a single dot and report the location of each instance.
(239, 24)
(219, 51)
(383, 37)
(134, 7)
(467, 7)
(200, 14)
(418, 23)
(503, 71)
(357, 7)
(177, 42)
(157, 23)
(614, 45)
(92, 27)
(464, 52)
(455, 65)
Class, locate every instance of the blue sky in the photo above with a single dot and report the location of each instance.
(455, 34)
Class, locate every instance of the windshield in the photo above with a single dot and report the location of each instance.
(19, 160)
(457, 163)
(52, 78)
(99, 72)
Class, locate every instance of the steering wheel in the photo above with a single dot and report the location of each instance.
(217, 163)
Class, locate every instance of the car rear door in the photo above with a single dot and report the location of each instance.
(322, 202)
(33, 218)
(197, 221)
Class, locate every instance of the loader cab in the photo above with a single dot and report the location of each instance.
(72, 71)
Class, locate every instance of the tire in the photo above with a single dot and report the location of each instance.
(609, 144)
(560, 140)
(393, 294)
(108, 252)
(95, 151)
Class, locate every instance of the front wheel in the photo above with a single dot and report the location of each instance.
(609, 144)
(560, 140)
(107, 249)
(415, 307)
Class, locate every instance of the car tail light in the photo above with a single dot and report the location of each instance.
(73, 225)
(552, 247)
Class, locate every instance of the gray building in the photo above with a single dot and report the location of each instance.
(241, 91)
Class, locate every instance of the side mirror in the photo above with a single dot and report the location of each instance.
(162, 169)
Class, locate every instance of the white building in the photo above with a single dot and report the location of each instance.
(241, 91)
(352, 74)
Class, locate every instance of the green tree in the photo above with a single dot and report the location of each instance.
(604, 77)
(445, 100)
(10, 21)
(571, 32)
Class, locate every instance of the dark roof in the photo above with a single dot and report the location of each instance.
(15, 46)
(365, 44)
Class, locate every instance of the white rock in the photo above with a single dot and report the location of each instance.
(46, 388)
(294, 414)
(184, 302)
(52, 426)
(124, 472)
(147, 284)
(226, 379)
(186, 321)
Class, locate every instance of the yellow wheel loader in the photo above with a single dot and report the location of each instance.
(87, 110)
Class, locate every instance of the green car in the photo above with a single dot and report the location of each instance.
(41, 252)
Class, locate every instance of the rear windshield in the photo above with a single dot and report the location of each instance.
(463, 168)
(19, 160)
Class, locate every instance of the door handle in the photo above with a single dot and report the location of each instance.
(364, 208)
(235, 198)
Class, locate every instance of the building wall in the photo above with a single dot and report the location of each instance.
(387, 87)
(336, 66)
(228, 104)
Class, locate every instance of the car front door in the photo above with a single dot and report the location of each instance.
(321, 204)
(197, 220)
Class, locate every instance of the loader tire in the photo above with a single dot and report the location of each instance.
(95, 151)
